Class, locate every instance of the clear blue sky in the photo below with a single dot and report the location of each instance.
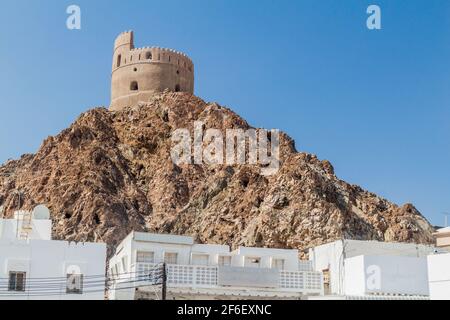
(374, 103)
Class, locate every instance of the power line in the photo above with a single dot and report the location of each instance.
(58, 293)
(148, 277)
(89, 276)
(52, 286)
(52, 291)
(157, 274)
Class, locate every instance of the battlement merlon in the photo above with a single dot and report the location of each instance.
(158, 50)
(125, 39)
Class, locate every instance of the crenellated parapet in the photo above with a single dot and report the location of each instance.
(156, 55)
(138, 73)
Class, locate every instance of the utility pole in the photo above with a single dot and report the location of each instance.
(446, 214)
(164, 282)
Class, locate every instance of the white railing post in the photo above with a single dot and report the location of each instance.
(194, 276)
(304, 282)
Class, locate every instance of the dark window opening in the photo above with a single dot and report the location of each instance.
(135, 69)
(74, 284)
(177, 88)
(148, 56)
(17, 281)
(178, 71)
(134, 86)
(119, 60)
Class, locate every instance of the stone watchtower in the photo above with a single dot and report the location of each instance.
(138, 73)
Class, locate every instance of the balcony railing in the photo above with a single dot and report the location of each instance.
(206, 277)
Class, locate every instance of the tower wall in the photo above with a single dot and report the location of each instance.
(138, 73)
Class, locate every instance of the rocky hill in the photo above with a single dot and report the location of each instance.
(111, 173)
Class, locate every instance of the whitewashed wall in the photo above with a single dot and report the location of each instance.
(185, 248)
(386, 275)
(234, 275)
(43, 259)
(439, 276)
(42, 229)
(332, 256)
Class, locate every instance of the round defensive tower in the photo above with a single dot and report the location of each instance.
(138, 73)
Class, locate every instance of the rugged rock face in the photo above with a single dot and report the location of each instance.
(111, 173)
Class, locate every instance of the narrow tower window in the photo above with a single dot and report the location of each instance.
(134, 86)
(177, 88)
(148, 56)
(119, 60)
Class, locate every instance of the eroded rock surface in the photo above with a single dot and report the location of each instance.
(111, 173)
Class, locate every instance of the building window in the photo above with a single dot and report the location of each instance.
(145, 257)
(17, 281)
(148, 56)
(170, 258)
(200, 259)
(224, 261)
(119, 60)
(134, 86)
(278, 264)
(74, 284)
(252, 262)
(177, 88)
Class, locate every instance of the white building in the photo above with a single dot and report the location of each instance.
(205, 271)
(386, 275)
(443, 238)
(439, 276)
(34, 267)
(367, 268)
